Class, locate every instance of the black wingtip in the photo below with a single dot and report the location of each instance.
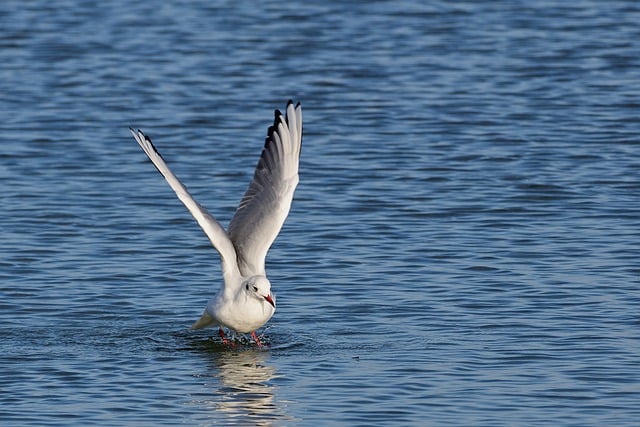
(277, 114)
(146, 138)
(276, 120)
(270, 132)
(290, 102)
(137, 131)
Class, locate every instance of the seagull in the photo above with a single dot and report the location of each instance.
(245, 302)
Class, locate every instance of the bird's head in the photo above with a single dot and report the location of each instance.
(260, 288)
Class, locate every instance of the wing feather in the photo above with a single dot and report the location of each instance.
(207, 222)
(266, 202)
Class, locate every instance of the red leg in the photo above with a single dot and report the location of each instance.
(256, 339)
(225, 340)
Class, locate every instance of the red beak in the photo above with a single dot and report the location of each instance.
(270, 300)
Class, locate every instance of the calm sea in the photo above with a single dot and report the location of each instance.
(463, 248)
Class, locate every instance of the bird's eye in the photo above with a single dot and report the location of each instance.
(246, 286)
(255, 289)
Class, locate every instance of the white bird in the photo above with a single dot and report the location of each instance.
(245, 302)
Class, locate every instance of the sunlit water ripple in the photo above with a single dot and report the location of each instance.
(462, 248)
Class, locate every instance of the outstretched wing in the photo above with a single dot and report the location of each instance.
(211, 227)
(267, 201)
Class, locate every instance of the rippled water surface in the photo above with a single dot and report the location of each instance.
(463, 246)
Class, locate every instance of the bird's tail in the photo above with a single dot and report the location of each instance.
(205, 320)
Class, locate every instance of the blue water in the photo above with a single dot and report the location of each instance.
(463, 247)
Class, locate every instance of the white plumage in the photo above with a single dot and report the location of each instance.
(245, 302)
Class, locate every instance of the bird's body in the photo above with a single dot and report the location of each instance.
(240, 311)
(245, 302)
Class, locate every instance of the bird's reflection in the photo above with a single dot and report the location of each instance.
(242, 391)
